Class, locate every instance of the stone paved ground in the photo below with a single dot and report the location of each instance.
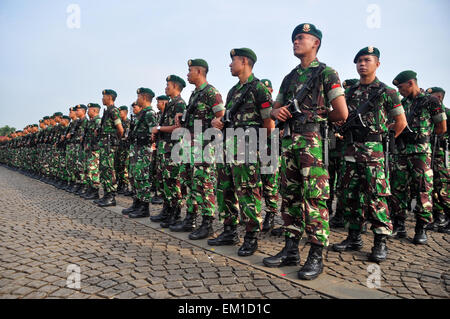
(43, 230)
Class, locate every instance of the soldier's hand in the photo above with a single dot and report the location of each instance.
(281, 114)
(339, 123)
(217, 123)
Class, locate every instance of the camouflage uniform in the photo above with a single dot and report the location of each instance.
(122, 159)
(92, 170)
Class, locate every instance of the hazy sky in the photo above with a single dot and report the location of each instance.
(48, 64)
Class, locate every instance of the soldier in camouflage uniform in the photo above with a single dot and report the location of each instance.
(365, 182)
(61, 146)
(441, 173)
(110, 132)
(413, 168)
(248, 104)
(122, 156)
(70, 150)
(199, 175)
(170, 170)
(92, 151)
(131, 150)
(304, 176)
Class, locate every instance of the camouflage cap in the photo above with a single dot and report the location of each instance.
(244, 52)
(94, 105)
(199, 62)
(123, 108)
(267, 83)
(177, 79)
(145, 91)
(404, 76)
(435, 89)
(110, 92)
(163, 98)
(349, 82)
(367, 51)
(307, 28)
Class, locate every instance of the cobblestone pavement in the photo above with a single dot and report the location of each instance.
(44, 230)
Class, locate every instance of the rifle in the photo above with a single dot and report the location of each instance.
(434, 150)
(187, 112)
(229, 114)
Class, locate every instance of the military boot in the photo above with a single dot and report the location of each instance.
(174, 216)
(75, 188)
(313, 266)
(93, 194)
(162, 215)
(288, 256)
(420, 237)
(399, 228)
(250, 244)
(277, 231)
(338, 220)
(379, 249)
(141, 211)
(269, 222)
(136, 203)
(205, 230)
(229, 236)
(188, 224)
(352, 242)
(108, 200)
(83, 189)
(157, 200)
(438, 221)
(69, 186)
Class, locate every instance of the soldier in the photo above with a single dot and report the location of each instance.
(92, 150)
(122, 156)
(142, 149)
(304, 101)
(81, 184)
(110, 132)
(170, 170)
(61, 145)
(365, 182)
(441, 173)
(271, 186)
(205, 104)
(131, 153)
(413, 168)
(70, 150)
(239, 183)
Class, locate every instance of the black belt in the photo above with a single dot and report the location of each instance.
(299, 127)
(368, 138)
(411, 140)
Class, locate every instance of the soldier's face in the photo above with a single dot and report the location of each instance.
(73, 115)
(367, 65)
(236, 65)
(192, 74)
(123, 114)
(136, 109)
(406, 88)
(170, 89)
(439, 95)
(304, 44)
(80, 113)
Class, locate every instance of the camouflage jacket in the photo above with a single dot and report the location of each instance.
(256, 106)
(91, 141)
(330, 88)
(388, 105)
(78, 135)
(145, 121)
(429, 112)
(112, 118)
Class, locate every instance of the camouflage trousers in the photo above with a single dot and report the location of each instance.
(121, 165)
(412, 172)
(364, 190)
(108, 177)
(441, 189)
(305, 188)
(143, 172)
(170, 172)
(80, 164)
(93, 169)
(270, 190)
(70, 162)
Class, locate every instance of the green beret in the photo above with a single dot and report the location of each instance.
(58, 114)
(110, 92)
(307, 28)
(349, 82)
(94, 105)
(163, 98)
(174, 78)
(199, 62)
(435, 89)
(244, 52)
(367, 51)
(66, 117)
(404, 77)
(71, 109)
(146, 91)
(81, 106)
(46, 118)
(267, 83)
(123, 108)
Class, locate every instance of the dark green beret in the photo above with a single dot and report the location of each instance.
(81, 106)
(244, 52)
(199, 62)
(367, 51)
(146, 91)
(307, 28)
(435, 89)
(110, 92)
(123, 108)
(58, 114)
(404, 77)
(46, 118)
(66, 117)
(94, 105)
(267, 83)
(177, 79)
(71, 109)
(163, 98)
(349, 82)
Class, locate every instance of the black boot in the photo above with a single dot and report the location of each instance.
(445, 229)
(93, 194)
(288, 256)
(229, 236)
(353, 242)
(269, 222)
(120, 189)
(136, 204)
(399, 228)
(205, 230)
(108, 200)
(174, 216)
(157, 200)
(439, 221)
(250, 244)
(75, 188)
(338, 220)
(420, 238)
(141, 212)
(277, 231)
(188, 224)
(379, 249)
(83, 189)
(161, 216)
(313, 266)
(69, 186)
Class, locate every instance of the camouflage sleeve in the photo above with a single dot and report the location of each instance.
(436, 110)
(215, 100)
(331, 84)
(393, 103)
(115, 115)
(281, 97)
(151, 120)
(263, 100)
(180, 107)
